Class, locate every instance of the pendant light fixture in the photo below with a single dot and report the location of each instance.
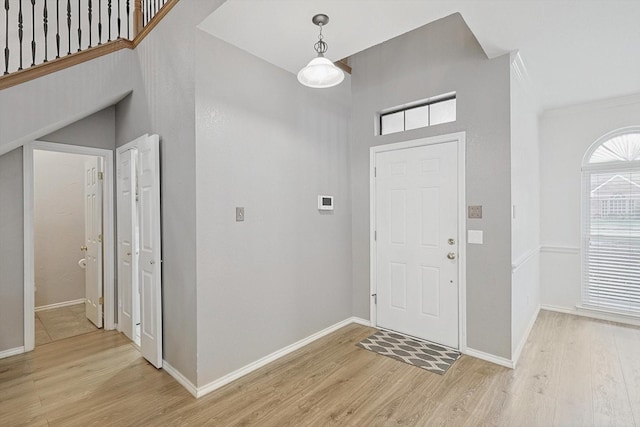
(320, 72)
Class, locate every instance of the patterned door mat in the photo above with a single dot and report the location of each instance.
(423, 354)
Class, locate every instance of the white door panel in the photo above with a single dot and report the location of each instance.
(150, 272)
(127, 257)
(416, 214)
(93, 240)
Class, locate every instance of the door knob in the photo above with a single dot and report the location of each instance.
(152, 262)
(451, 255)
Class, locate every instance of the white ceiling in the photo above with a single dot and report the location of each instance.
(574, 50)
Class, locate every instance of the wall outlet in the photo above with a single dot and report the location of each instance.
(239, 214)
(475, 212)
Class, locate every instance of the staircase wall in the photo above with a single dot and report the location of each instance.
(60, 108)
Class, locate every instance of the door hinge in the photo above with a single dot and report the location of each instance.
(375, 172)
(375, 236)
(375, 298)
(100, 176)
(101, 300)
(100, 238)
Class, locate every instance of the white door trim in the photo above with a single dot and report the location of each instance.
(108, 232)
(460, 139)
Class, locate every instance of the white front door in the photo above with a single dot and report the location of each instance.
(93, 240)
(150, 272)
(416, 211)
(127, 257)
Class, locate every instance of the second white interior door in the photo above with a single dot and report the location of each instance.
(127, 250)
(416, 211)
(139, 246)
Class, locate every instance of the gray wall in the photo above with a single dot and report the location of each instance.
(41, 106)
(268, 144)
(11, 251)
(96, 130)
(441, 57)
(58, 226)
(163, 102)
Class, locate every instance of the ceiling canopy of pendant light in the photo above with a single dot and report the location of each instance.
(320, 72)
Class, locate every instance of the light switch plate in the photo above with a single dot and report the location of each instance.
(475, 212)
(475, 237)
(239, 214)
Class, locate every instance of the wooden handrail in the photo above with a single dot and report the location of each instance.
(53, 65)
(343, 64)
(137, 18)
(154, 21)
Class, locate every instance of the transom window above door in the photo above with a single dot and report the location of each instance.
(611, 223)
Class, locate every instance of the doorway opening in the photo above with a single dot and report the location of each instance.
(78, 230)
(67, 224)
(417, 240)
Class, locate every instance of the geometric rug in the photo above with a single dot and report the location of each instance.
(423, 354)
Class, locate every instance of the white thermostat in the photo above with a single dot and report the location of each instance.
(325, 203)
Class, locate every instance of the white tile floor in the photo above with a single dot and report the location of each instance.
(60, 323)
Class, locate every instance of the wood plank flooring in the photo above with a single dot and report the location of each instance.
(573, 371)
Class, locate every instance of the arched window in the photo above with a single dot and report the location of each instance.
(611, 223)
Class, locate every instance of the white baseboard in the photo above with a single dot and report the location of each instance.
(516, 354)
(593, 314)
(182, 380)
(11, 352)
(489, 358)
(60, 304)
(208, 388)
(360, 321)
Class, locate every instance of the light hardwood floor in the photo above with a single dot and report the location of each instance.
(573, 372)
(61, 323)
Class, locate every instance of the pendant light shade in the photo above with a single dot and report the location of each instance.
(320, 72)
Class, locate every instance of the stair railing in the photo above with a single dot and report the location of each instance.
(38, 32)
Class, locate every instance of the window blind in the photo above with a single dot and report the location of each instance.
(611, 239)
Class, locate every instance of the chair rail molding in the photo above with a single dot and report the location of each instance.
(573, 250)
(524, 258)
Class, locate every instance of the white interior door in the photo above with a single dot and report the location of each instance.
(150, 272)
(127, 256)
(93, 240)
(416, 211)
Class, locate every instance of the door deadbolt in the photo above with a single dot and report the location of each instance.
(451, 255)
(451, 241)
